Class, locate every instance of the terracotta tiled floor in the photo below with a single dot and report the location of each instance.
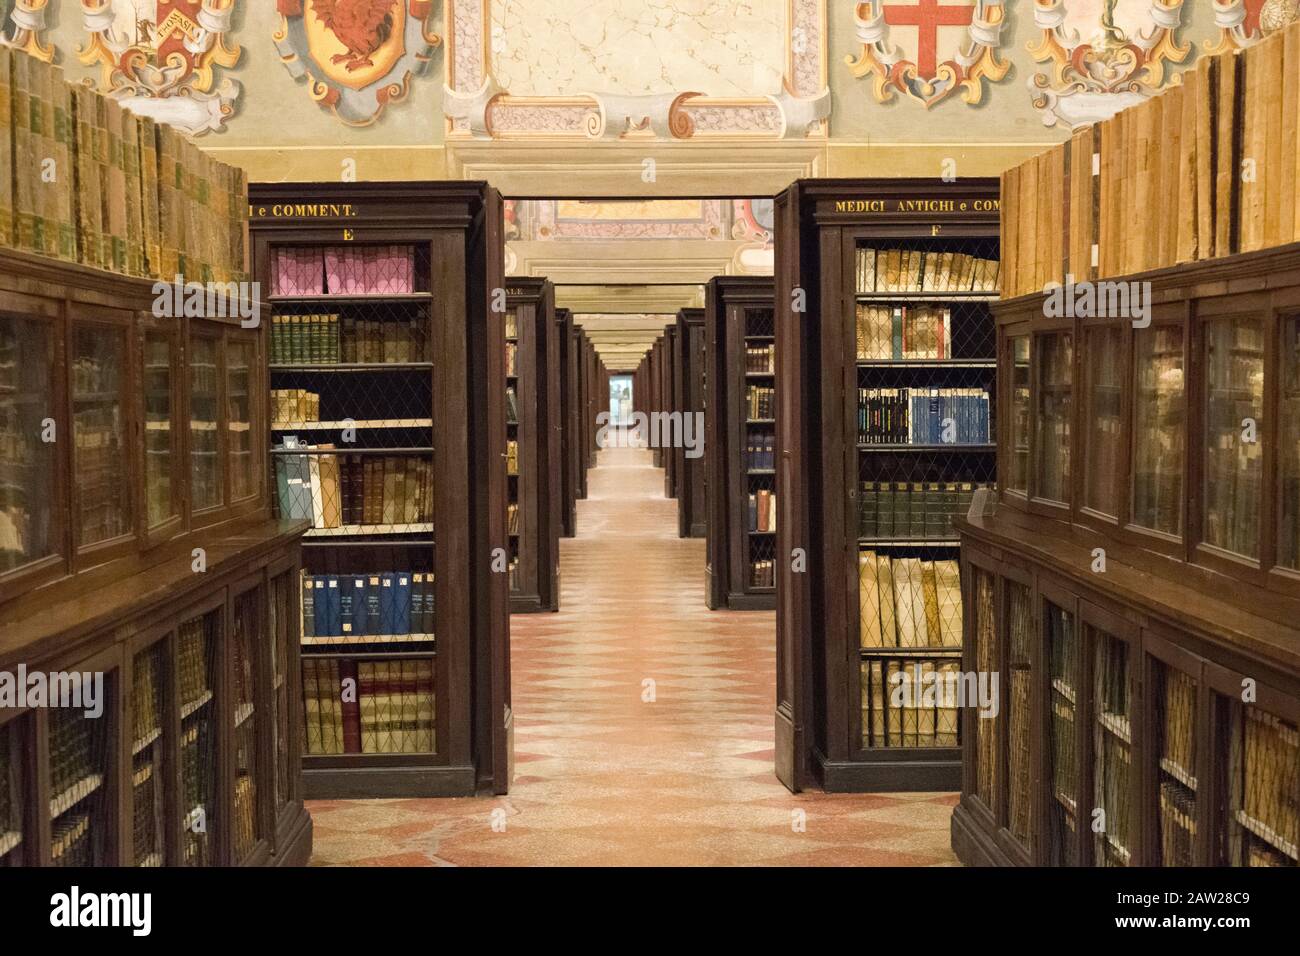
(605, 775)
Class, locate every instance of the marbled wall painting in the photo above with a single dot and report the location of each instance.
(23, 26)
(1102, 56)
(638, 47)
(357, 56)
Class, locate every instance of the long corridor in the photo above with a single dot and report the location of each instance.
(643, 729)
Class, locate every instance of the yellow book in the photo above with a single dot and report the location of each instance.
(868, 601)
(426, 709)
(366, 700)
(948, 582)
(1009, 225)
(945, 732)
(930, 597)
(6, 148)
(150, 224)
(1226, 169)
(885, 582)
(311, 704)
(1288, 196)
(925, 712)
(893, 714)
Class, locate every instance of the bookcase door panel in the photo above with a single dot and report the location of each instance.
(1159, 429)
(28, 465)
(1021, 640)
(99, 359)
(1288, 532)
(15, 782)
(1255, 759)
(983, 590)
(1066, 806)
(206, 472)
(1114, 774)
(248, 640)
(164, 479)
(152, 741)
(81, 772)
(200, 811)
(1176, 804)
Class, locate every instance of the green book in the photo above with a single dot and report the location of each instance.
(902, 510)
(951, 504)
(936, 524)
(916, 510)
(868, 524)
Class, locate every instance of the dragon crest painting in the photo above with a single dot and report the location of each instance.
(356, 55)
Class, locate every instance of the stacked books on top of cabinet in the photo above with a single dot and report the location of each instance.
(1212, 159)
(131, 196)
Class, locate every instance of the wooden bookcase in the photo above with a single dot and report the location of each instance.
(139, 548)
(669, 372)
(535, 483)
(404, 362)
(692, 504)
(584, 433)
(655, 399)
(886, 384)
(571, 465)
(1139, 580)
(738, 321)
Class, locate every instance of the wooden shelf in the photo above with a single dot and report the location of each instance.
(348, 640)
(353, 530)
(342, 298)
(83, 788)
(927, 296)
(364, 425)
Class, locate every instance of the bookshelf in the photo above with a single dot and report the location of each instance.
(534, 506)
(886, 380)
(380, 296)
(569, 427)
(1133, 701)
(692, 503)
(740, 443)
(668, 396)
(655, 394)
(199, 687)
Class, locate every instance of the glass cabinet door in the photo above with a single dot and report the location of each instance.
(158, 378)
(98, 371)
(1062, 752)
(13, 783)
(247, 637)
(1112, 750)
(1159, 423)
(1055, 359)
(1019, 468)
(205, 462)
(1288, 538)
(240, 355)
(1173, 732)
(1234, 451)
(28, 531)
(148, 755)
(1103, 433)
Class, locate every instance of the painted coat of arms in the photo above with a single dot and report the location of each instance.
(928, 49)
(1105, 55)
(358, 55)
(1242, 22)
(163, 58)
(22, 26)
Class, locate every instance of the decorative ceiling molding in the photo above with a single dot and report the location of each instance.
(599, 169)
(649, 299)
(478, 108)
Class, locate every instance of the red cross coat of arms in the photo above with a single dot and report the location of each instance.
(929, 49)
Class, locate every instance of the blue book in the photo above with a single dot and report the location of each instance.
(387, 610)
(282, 501)
(402, 603)
(356, 584)
(347, 606)
(374, 595)
(417, 604)
(309, 607)
(333, 607)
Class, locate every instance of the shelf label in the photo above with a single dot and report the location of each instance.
(917, 205)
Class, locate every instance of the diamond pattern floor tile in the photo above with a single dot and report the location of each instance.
(643, 729)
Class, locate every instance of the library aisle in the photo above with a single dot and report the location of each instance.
(604, 776)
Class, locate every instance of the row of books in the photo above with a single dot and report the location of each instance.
(146, 695)
(70, 840)
(762, 573)
(760, 401)
(76, 752)
(908, 602)
(1270, 798)
(374, 604)
(918, 270)
(913, 509)
(104, 503)
(903, 332)
(512, 518)
(146, 813)
(244, 818)
(198, 785)
(391, 711)
(335, 490)
(923, 416)
(898, 712)
(512, 457)
(760, 511)
(195, 661)
(130, 196)
(290, 405)
(333, 338)
(1185, 152)
(343, 270)
(760, 358)
(760, 451)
